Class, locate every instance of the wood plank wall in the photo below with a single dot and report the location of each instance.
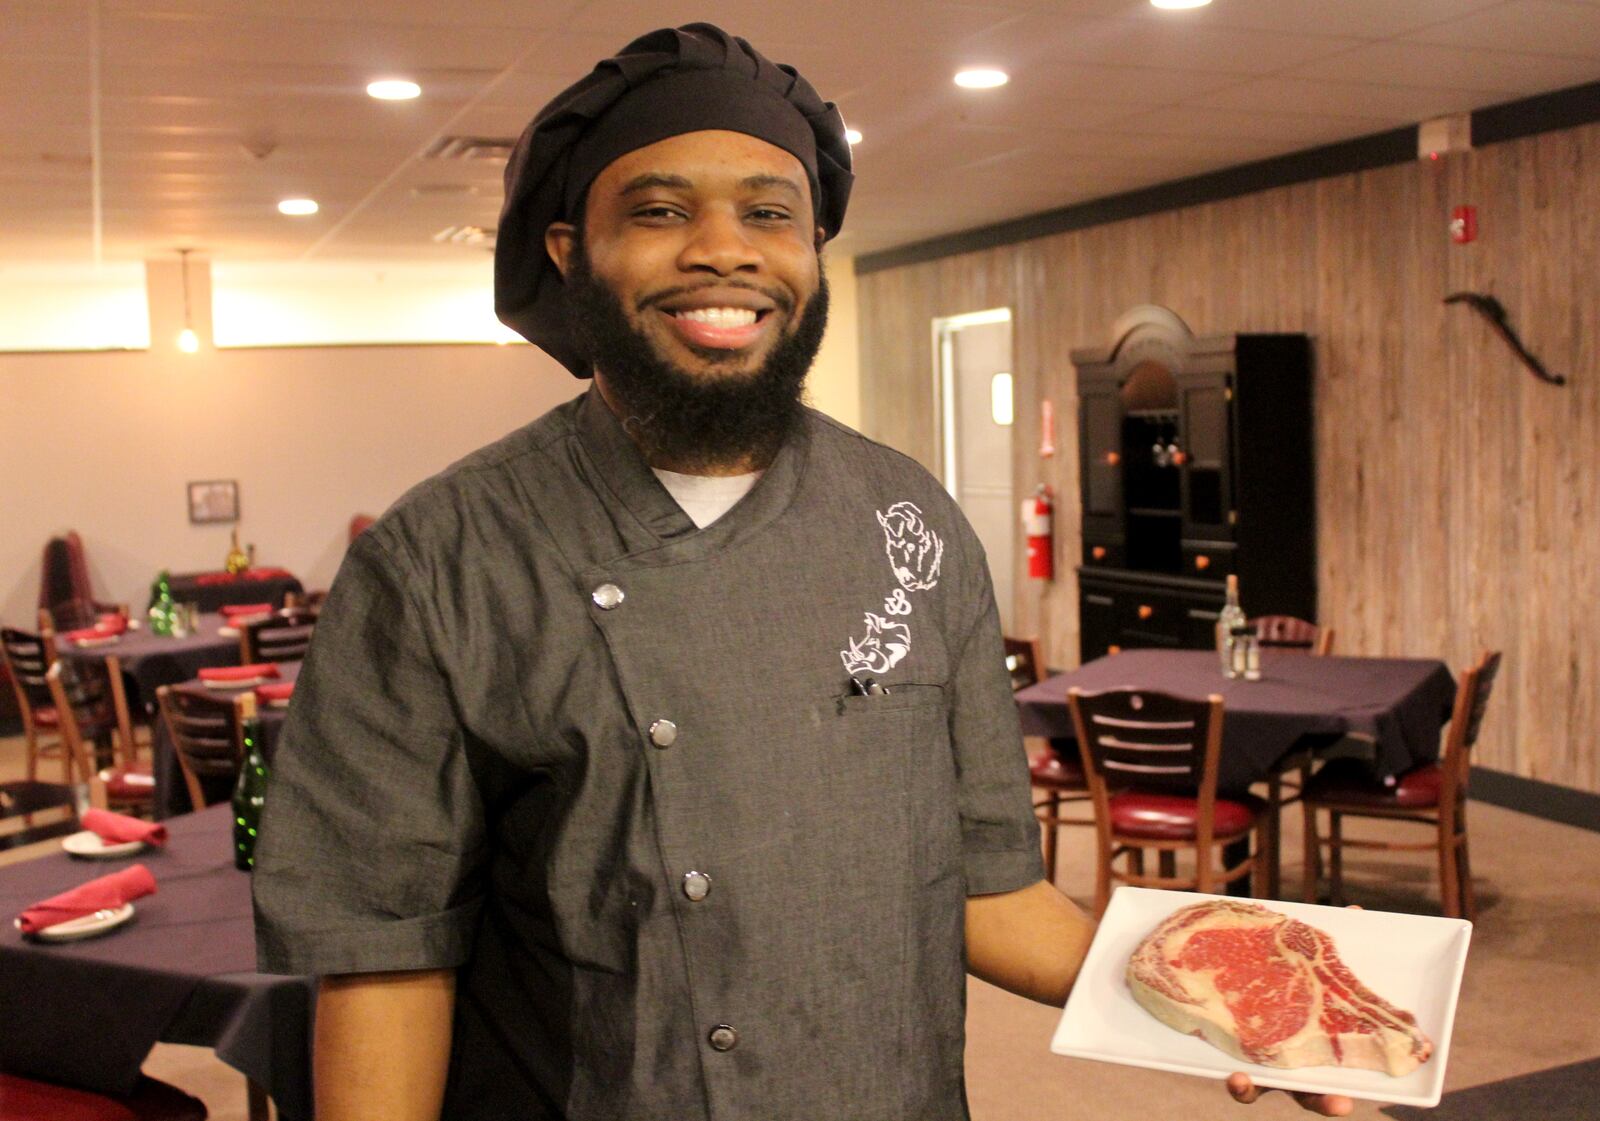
(1458, 500)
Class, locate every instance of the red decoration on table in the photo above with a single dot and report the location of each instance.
(103, 894)
(119, 829)
(208, 578)
(240, 673)
(236, 610)
(277, 693)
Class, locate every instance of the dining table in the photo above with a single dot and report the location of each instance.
(214, 590)
(152, 660)
(171, 795)
(183, 970)
(1385, 712)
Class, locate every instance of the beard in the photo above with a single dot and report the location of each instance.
(684, 420)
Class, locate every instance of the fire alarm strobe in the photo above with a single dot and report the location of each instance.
(1464, 224)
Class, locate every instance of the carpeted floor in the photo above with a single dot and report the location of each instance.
(1529, 1003)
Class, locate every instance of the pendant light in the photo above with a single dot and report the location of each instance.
(188, 341)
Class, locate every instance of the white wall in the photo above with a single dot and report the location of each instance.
(104, 443)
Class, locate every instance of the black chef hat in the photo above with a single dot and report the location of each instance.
(663, 84)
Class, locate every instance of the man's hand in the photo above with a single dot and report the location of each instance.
(1328, 1105)
(382, 1045)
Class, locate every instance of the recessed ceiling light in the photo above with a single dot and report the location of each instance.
(1175, 5)
(394, 89)
(852, 136)
(297, 208)
(981, 79)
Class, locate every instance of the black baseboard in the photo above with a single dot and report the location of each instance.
(1546, 800)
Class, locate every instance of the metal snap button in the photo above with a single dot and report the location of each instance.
(663, 733)
(723, 1038)
(607, 596)
(696, 885)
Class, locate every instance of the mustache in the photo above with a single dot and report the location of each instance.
(780, 298)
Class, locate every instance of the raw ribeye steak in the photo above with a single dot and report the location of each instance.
(1270, 990)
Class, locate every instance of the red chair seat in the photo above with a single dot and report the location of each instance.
(1174, 817)
(123, 788)
(1349, 782)
(23, 1099)
(1048, 769)
(45, 717)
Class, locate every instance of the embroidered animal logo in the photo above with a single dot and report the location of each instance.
(885, 644)
(914, 550)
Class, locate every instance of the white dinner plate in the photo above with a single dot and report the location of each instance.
(103, 640)
(240, 683)
(228, 632)
(89, 845)
(89, 926)
(1412, 961)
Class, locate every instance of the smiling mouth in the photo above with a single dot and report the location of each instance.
(720, 328)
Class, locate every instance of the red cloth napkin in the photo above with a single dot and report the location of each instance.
(240, 673)
(89, 634)
(111, 623)
(118, 829)
(230, 610)
(275, 693)
(268, 574)
(105, 893)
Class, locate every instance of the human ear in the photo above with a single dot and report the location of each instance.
(560, 238)
(819, 239)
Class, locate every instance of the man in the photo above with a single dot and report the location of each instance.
(659, 760)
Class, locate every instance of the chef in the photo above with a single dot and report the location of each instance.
(659, 760)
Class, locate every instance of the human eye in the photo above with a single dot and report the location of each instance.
(657, 213)
(771, 215)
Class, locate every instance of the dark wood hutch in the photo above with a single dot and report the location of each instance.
(1195, 462)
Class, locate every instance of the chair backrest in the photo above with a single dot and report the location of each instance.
(1151, 740)
(1286, 632)
(28, 658)
(63, 573)
(207, 733)
(284, 636)
(1024, 662)
(85, 709)
(1466, 721)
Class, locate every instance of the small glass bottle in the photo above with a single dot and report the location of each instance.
(1229, 619)
(250, 793)
(1241, 641)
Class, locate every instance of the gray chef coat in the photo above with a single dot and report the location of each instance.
(611, 766)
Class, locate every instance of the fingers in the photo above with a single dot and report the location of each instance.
(1243, 1090)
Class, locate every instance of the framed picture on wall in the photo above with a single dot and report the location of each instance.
(214, 500)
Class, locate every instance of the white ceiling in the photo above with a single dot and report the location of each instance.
(1106, 96)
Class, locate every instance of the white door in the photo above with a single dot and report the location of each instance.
(975, 359)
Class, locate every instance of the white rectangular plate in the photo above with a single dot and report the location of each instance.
(1412, 961)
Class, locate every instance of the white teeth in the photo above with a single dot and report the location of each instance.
(720, 316)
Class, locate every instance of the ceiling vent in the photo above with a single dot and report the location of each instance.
(464, 235)
(470, 148)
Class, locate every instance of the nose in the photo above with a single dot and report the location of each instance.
(717, 244)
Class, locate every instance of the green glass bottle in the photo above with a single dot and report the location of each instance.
(162, 607)
(249, 794)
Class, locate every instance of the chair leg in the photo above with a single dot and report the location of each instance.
(1053, 808)
(1136, 861)
(1449, 883)
(1203, 880)
(1102, 878)
(1167, 863)
(1270, 838)
(1335, 858)
(1311, 861)
(32, 738)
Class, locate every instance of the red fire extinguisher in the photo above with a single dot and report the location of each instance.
(1036, 529)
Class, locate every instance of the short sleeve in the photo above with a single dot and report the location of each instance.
(372, 840)
(999, 834)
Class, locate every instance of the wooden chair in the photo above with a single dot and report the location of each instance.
(76, 613)
(27, 1099)
(22, 801)
(27, 659)
(284, 636)
(1287, 634)
(1164, 751)
(207, 734)
(1059, 778)
(1434, 794)
(84, 703)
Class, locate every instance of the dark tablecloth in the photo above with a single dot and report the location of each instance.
(172, 793)
(86, 1014)
(213, 589)
(1386, 711)
(153, 660)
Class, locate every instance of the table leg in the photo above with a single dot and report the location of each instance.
(1272, 835)
(1233, 853)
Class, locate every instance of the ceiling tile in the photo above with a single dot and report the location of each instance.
(1412, 63)
(1559, 27)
